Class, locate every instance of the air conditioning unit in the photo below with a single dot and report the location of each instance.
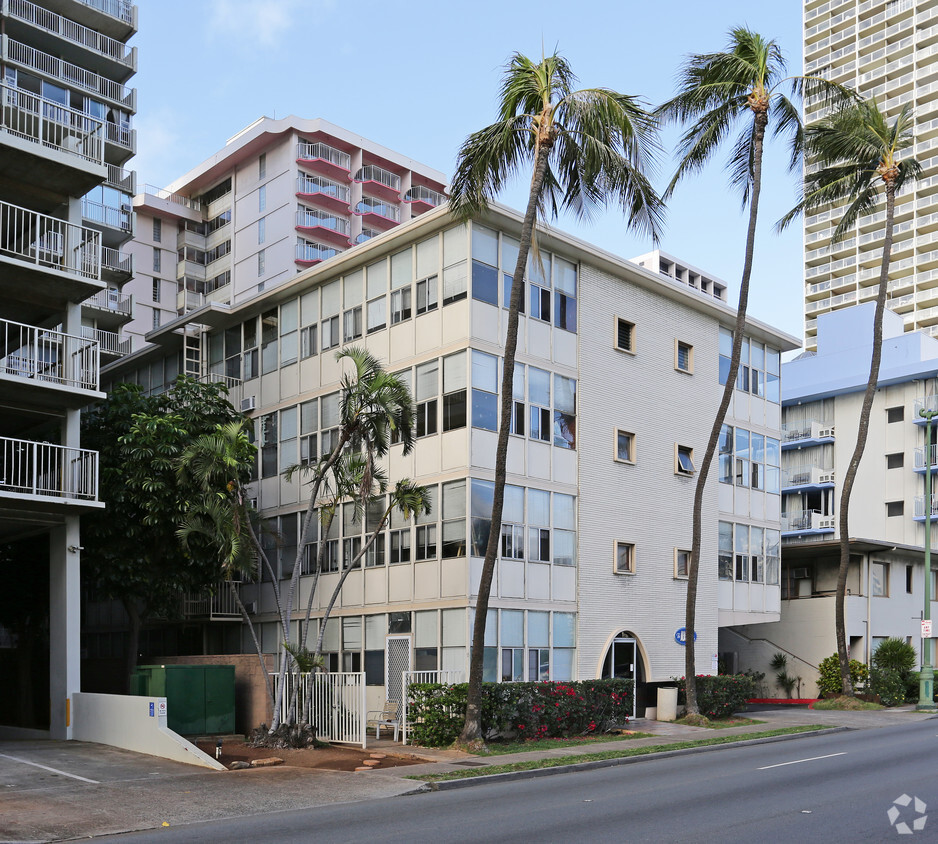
(248, 404)
(251, 607)
(826, 524)
(801, 574)
(827, 478)
(823, 433)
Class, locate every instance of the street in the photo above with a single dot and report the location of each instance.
(831, 788)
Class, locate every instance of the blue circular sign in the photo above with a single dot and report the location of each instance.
(680, 636)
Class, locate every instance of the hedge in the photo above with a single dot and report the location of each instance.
(720, 695)
(436, 711)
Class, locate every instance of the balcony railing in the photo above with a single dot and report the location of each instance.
(367, 234)
(310, 152)
(806, 520)
(314, 252)
(48, 356)
(67, 72)
(419, 193)
(373, 173)
(49, 242)
(116, 261)
(315, 184)
(306, 218)
(808, 475)
(107, 215)
(109, 341)
(125, 180)
(123, 10)
(112, 300)
(810, 429)
(217, 603)
(382, 209)
(43, 469)
(919, 507)
(121, 135)
(178, 198)
(71, 31)
(919, 457)
(50, 124)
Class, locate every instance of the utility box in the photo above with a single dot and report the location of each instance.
(667, 703)
(200, 699)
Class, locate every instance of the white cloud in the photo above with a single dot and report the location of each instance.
(263, 22)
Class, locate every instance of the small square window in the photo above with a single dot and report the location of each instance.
(684, 460)
(683, 357)
(895, 461)
(625, 336)
(261, 262)
(895, 414)
(895, 508)
(879, 579)
(262, 166)
(625, 558)
(681, 562)
(625, 447)
(157, 229)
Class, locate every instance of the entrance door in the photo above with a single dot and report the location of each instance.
(396, 661)
(620, 663)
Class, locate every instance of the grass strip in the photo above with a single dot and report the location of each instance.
(726, 723)
(557, 761)
(552, 744)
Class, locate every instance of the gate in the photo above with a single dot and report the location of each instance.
(449, 677)
(397, 663)
(335, 703)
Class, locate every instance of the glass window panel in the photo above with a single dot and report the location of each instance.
(428, 257)
(402, 270)
(352, 289)
(538, 629)
(454, 245)
(330, 410)
(564, 511)
(539, 268)
(377, 313)
(330, 638)
(454, 500)
(289, 312)
(726, 342)
(564, 394)
(538, 386)
(757, 354)
(512, 628)
(377, 278)
(772, 360)
(482, 493)
(331, 298)
(309, 416)
(564, 548)
(510, 248)
(309, 307)
(565, 276)
(485, 372)
(484, 283)
(352, 633)
(288, 419)
(539, 507)
(428, 380)
(564, 629)
(375, 629)
(484, 410)
(513, 508)
(485, 245)
(454, 282)
(454, 372)
(454, 628)
(426, 629)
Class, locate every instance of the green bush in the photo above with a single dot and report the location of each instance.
(895, 655)
(720, 695)
(437, 711)
(889, 685)
(829, 683)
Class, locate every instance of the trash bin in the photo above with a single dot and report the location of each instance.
(667, 703)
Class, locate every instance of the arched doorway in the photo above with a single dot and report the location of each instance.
(623, 659)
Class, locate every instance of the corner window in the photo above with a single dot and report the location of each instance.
(625, 447)
(624, 558)
(684, 460)
(683, 357)
(625, 336)
(681, 563)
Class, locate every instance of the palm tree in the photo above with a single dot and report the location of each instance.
(739, 88)
(857, 150)
(584, 147)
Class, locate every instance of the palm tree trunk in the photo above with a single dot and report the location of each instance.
(863, 429)
(257, 644)
(760, 119)
(472, 729)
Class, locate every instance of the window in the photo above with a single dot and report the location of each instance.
(484, 391)
(400, 305)
(879, 579)
(625, 447)
(625, 336)
(308, 341)
(684, 460)
(261, 229)
(564, 412)
(428, 386)
(270, 333)
(261, 262)
(262, 198)
(539, 277)
(157, 230)
(157, 286)
(268, 445)
(454, 391)
(895, 461)
(156, 318)
(894, 508)
(309, 426)
(157, 259)
(484, 283)
(453, 515)
(683, 356)
(539, 404)
(427, 295)
(895, 414)
(908, 579)
(352, 324)
(625, 558)
(741, 548)
(539, 526)
(681, 562)
(330, 334)
(564, 294)
(725, 552)
(262, 166)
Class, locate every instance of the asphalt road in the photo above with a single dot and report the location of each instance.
(828, 789)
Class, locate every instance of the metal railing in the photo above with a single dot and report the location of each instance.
(310, 152)
(308, 218)
(806, 430)
(53, 125)
(449, 677)
(807, 520)
(49, 242)
(44, 469)
(113, 301)
(382, 209)
(367, 234)
(169, 196)
(123, 10)
(117, 261)
(44, 63)
(109, 341)
(106, 215)
(74, 32)
(332, 703)
(125, 180)
(121, 135)
(314, 184)
(807, 475)
(314, 252)
(919, 507)
(419, 193)
(212, 604)
(48, 356)
(374, 173)
(919, 456)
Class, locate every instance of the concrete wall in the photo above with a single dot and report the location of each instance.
(252, 707)
(125, 721)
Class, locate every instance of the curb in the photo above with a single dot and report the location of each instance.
(575, 767)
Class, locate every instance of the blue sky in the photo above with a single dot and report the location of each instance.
(419, 76)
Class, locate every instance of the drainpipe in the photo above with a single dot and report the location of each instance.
(869, 610)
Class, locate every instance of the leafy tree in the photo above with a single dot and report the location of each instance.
(740, 88)
(131, 551)
(857, 151)
(585, 148)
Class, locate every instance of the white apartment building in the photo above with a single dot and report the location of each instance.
(821, 401)
(65, 134)
(618, 375)
(887, 50)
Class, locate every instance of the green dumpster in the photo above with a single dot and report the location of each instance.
(200, 699)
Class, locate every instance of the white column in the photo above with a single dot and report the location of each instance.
(64, 626)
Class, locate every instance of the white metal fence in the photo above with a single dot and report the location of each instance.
(50, 356)
(335, 704)
(410, 677)
(33, 468)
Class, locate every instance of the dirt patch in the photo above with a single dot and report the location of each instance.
(328, 758)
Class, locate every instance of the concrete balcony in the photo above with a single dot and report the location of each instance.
(44, 369)
(810, 432)
(807, 522)
(309, 254)
(320, 191)
(323, 226)
(324, 159)
(37, 475)
(116, 266)
(115, 224)
(216, 604)
(378, 214)
(380, 182)
(919, 457)
(110, 308)
(807, 477)
(111, 344)
(423, 199)
(918, 508)
(117, 18)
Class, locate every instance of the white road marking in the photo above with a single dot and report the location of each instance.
(46, 768)
(799, 761)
